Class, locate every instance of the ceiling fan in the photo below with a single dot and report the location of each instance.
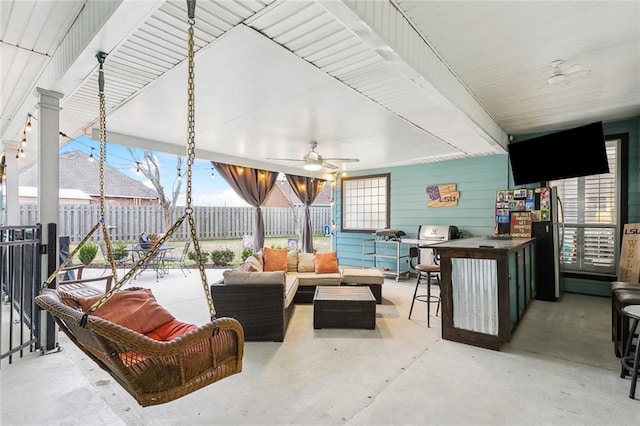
(314, 161)
(560, 73)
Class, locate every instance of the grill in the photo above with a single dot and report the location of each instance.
(429, 234)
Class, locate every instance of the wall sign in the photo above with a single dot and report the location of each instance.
(442, 195)
(629, 267)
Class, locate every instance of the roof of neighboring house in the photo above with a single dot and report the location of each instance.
(32, 191)
(77, 172)
(283, 196)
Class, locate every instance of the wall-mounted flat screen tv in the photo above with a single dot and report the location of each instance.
(569, 153)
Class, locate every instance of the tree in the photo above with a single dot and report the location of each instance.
(150, 169)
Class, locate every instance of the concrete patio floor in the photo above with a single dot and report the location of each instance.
(560, 368)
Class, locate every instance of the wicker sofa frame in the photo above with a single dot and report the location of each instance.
(258, 307)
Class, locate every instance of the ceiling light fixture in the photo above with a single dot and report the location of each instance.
(312, 165)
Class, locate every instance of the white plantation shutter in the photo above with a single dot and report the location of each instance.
(591, 210)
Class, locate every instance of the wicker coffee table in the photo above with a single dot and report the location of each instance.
(344, 307)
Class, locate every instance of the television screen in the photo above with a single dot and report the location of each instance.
(570, 153)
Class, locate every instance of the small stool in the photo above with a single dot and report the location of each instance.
(424, 272)
(630, 364)
(622, 294)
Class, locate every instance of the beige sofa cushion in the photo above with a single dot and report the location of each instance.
(292, 261)
(240, 277)
(291, 287)
(311, 278)
(255, 263)
(306, 262)
(362, 276)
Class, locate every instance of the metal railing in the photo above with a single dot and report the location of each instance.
(20, 283)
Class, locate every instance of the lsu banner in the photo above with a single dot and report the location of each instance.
(442, 195)
(629, 267)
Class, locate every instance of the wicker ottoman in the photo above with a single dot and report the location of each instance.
(344, 307)
(373, 278)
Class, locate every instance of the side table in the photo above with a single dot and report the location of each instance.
(344, 307)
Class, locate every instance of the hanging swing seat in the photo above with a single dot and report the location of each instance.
(160, 359)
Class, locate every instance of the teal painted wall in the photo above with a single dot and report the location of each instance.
(477, 179)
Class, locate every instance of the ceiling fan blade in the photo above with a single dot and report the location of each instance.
(343, 160)
(285, 159)
(329, 165)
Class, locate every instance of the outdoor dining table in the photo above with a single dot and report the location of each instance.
(156, 262)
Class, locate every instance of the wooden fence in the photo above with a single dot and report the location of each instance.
(126, 223)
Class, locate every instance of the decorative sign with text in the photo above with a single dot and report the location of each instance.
(521, 224)
(629, 267)
(443, 195)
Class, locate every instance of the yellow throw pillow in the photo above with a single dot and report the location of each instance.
(326, 263)
(275, 260)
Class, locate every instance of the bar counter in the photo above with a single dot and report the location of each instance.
(486, 285)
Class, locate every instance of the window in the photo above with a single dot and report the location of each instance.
(591, 215)
(365, 203)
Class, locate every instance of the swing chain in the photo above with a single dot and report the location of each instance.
(101, 56)
(191, 154)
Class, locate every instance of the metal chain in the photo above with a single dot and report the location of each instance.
(190, 157)
(103, 155)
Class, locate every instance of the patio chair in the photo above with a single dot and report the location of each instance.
(180, 261)
(107, 263)
(82, 286)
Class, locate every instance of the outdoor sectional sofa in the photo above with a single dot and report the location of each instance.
(263, 299)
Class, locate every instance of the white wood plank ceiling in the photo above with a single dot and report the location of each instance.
(389, 82)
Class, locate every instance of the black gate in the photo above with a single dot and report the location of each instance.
(19, 282)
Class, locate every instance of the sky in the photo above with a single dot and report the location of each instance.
(206, 190)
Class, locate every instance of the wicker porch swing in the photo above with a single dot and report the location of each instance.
(156, 361)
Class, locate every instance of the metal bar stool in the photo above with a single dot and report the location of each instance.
(630, 364)
(424, 271)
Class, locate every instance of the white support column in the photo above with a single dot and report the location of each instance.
(12, 170)
(48, 161)
(48, 192)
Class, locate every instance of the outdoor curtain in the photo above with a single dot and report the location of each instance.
(307, 189)
(253, 186)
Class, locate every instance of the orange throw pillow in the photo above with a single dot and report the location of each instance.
(326, 263)
(275, 259)
(136, 310)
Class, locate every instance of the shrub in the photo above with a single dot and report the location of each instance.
(222, 257)
(246, 253)
(88, 253)
(192, 255)
(120, 251)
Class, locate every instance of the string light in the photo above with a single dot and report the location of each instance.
(91, 156)
(179, 174)
(138, 167)
(212, 174)
(23, 142)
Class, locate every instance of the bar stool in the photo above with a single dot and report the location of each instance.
(424, 271)
(630, 364)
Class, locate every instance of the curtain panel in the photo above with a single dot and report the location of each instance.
(253, 186)
(307, 190)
